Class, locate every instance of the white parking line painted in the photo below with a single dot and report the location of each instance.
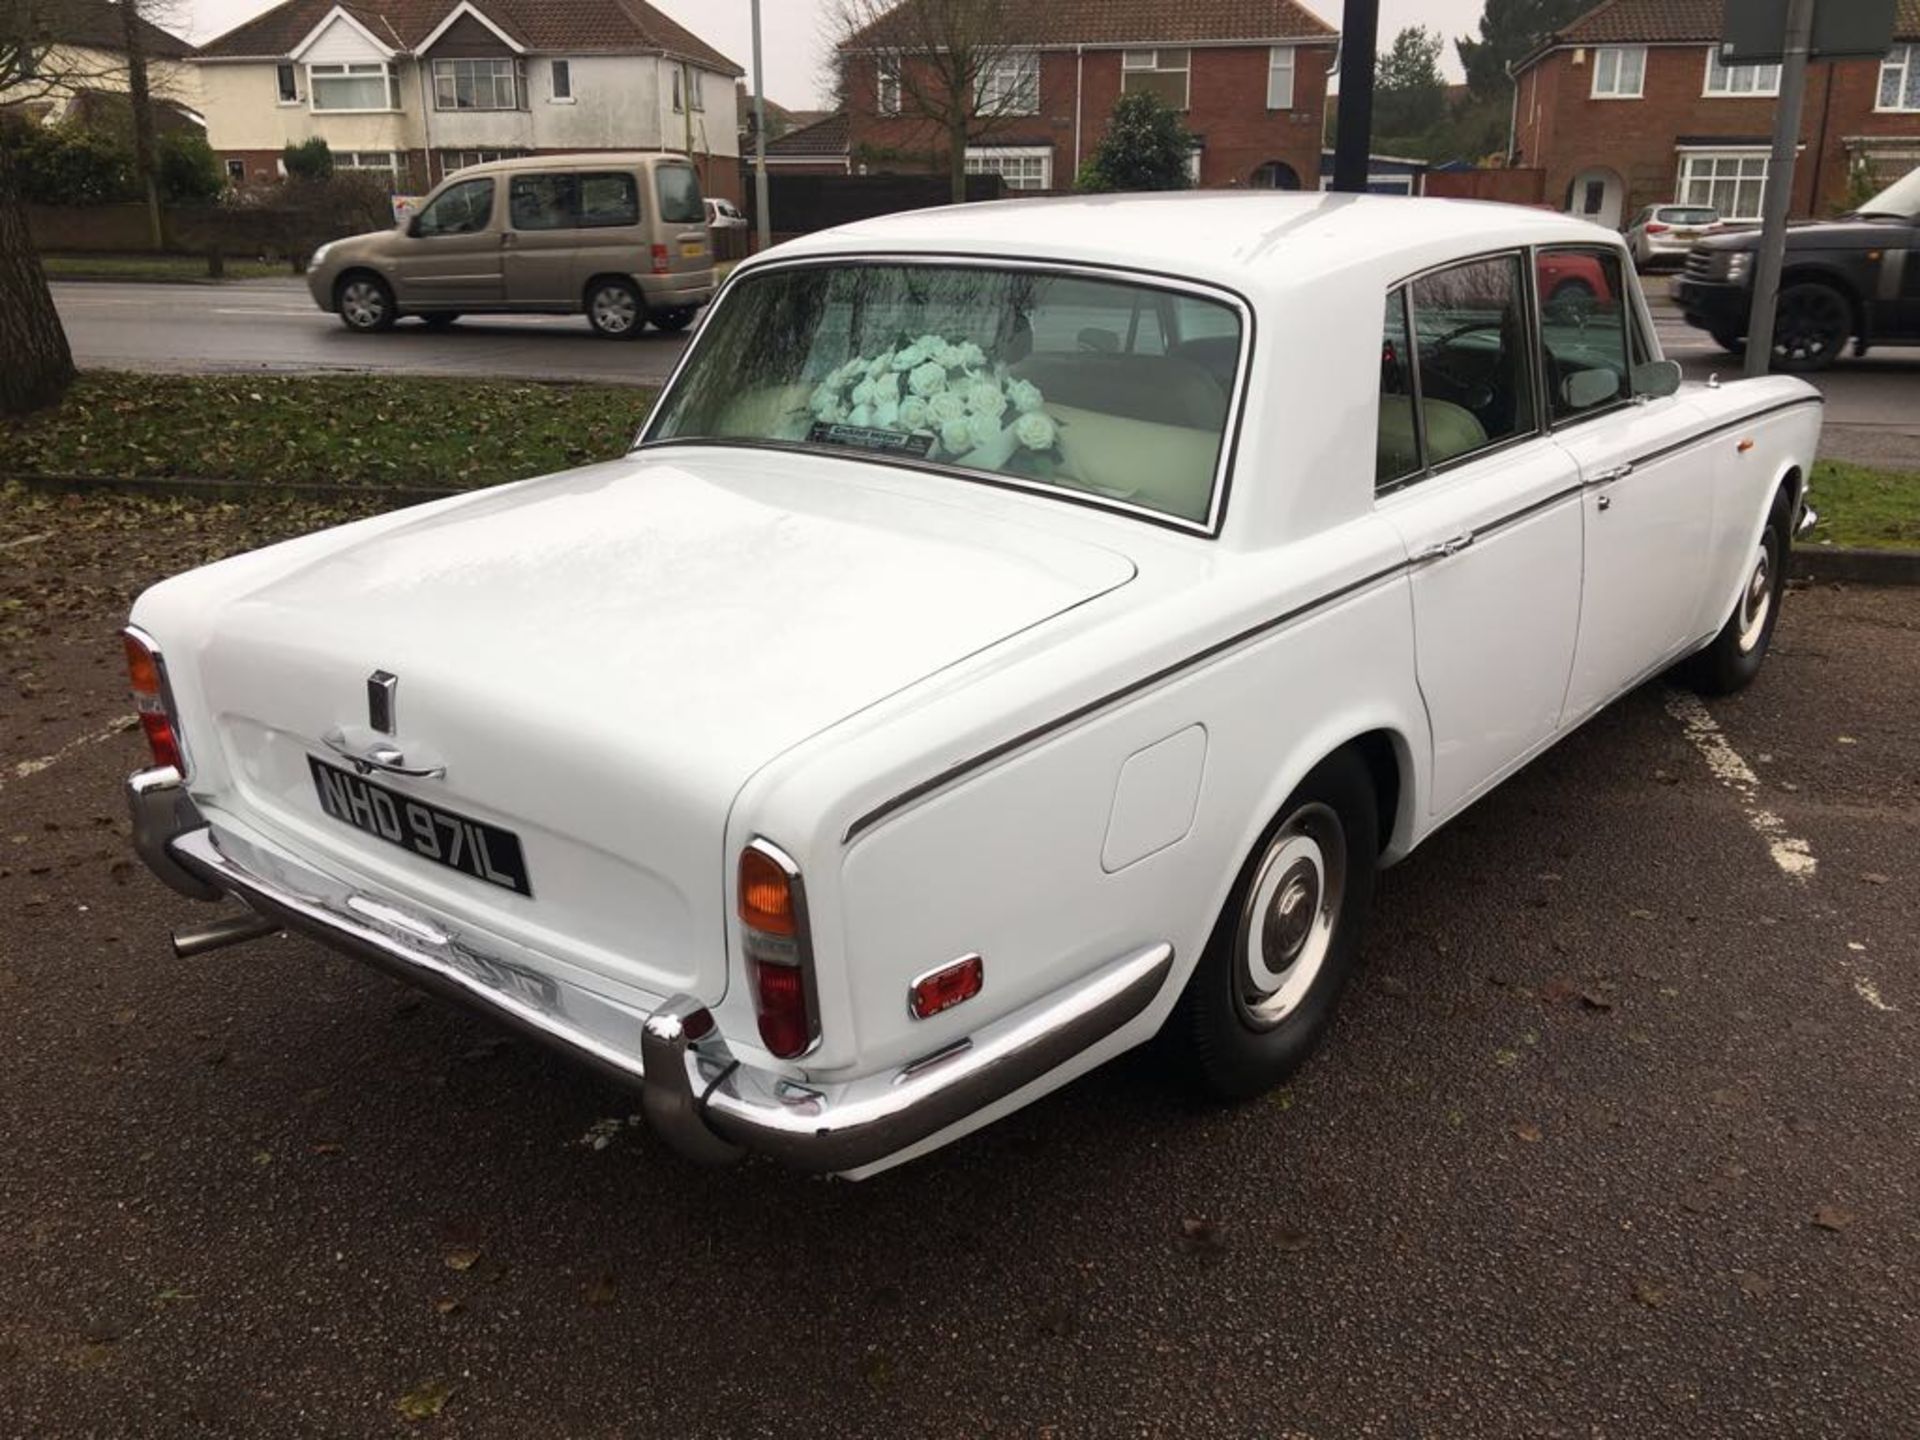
(1790, 853)
(26, 540)
(22, 769)
(1869, 992)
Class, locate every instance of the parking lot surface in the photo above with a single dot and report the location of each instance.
(1615, 1137)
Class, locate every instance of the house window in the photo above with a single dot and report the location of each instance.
(1619, 71)
(1010, 85)
(236, 172)
(452, 160)
(887, 97)
(1159, 72)
(1023, 167)
(1900, 79)
(1724, 79)
(1280, 78)
(288, 77)
(353, 87)
(1734, 182)
(685, 83)
(562, 88)
(476, 85)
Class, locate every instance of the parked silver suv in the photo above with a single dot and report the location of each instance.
(621, 239)
(1667, 232)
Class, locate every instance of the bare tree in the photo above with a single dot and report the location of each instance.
(39, 365)
(140, 96)
(956, 70)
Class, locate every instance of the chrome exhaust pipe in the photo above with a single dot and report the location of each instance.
(234, 930)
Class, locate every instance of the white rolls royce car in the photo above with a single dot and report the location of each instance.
(1018, 631)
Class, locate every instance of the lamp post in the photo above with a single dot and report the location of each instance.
(1353, 136)
(762, 221)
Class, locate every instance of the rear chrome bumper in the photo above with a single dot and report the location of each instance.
(699, 1098)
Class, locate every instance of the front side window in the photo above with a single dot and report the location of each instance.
(352, 87)
(1010, 85)
(1470, 339)
(286, 78)
(1733, 183)
(462, 209)
(1619, 71)
(1164, 73)
(476, 85)
(1023, 167)
(1117, 391)
(678, 189)
(1900, 79)
(1280, 78)
(1725, 79)
(1586, 357)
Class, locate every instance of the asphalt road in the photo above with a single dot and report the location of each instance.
(1615, 1137)
(1873, 415)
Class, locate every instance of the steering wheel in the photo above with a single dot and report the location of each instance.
(1475, 391)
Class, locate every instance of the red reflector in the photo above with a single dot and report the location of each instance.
(780, 1001)
(661, 265)
(143, 670)
(946, 988)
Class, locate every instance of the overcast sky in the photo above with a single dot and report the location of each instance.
(796, 42)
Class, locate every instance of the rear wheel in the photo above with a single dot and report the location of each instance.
(613, 309)
(1811, 327)
(364, 303)
(1286, 943)
(1735, 656)
(672, 320)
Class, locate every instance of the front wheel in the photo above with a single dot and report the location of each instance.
(1811, 327)
(365, 303)
(1287, 940)
(613, 309)
(1734, 657)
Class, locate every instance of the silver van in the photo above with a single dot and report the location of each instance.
(621, 239)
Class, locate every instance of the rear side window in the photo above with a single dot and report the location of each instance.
(1470, 344)
(609, 200)
(679, 191)
(1584, 332)
(542, 202)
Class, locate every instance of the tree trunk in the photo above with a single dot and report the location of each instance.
(140, 95)
(957, 158)
(38, 366)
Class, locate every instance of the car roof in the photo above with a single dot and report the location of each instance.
(589, 160)
(1243, 240)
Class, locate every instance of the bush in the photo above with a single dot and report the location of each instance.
(188, 170)
(1145, 148)
(309, 160)
(293, 217)
(66, 165)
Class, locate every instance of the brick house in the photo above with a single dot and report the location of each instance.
(412, 90)
(1629, 105)
(1249, 78)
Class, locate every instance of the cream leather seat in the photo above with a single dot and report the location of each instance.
(1451, 429)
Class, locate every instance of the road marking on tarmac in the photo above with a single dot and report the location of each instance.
(1792, 854)
(22, 769)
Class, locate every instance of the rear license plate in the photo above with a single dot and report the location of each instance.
(693, 249)
(473, 847)
(1685, 234)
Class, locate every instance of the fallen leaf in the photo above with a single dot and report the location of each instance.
(1833, 1217)
(445, 1306)
(425, 1402)
(1753, 1283)
(328, 1147)
(1528, 1132)
(1649, 1294)
(462, 1259)
(1393, 985)
(1290, 1241)
(1595, 1000)
(600, 1290)
(1874, 877)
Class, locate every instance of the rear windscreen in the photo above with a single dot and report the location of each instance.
(680, 201)
(1689, 215)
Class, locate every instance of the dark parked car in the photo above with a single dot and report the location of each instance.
(1855, 278)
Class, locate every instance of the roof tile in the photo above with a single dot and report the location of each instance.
(1668, 21)
(1144, 22)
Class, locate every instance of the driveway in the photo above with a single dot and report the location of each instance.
(1615, 1137)
(274, 325)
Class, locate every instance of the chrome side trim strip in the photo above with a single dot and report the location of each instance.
(1648, 457)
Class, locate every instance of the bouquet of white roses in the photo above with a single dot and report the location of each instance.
(970, 412)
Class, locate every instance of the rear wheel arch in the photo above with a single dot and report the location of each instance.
(603, 277)
(1833, 280)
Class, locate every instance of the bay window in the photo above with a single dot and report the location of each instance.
(372, 86)
(1022, 167)
(1734, 182)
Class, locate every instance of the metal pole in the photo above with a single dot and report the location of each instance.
(762, 220)
(1786, 137)
(1359, 33)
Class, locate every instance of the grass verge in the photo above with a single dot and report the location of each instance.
(1860, 506)
(169, 269)
(378, 431)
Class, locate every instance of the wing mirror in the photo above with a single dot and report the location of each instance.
(1584, 389)
(1656, 378)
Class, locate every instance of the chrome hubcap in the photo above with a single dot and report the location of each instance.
(1287, 924)
(614, 311)
(362, 303)
(1756, 602)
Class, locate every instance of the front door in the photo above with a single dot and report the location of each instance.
(1648, 484)
(453, 254)
(541, 239)
(1489, 509)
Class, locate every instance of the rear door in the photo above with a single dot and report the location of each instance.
(454, 259)
(682, 217)
(1648, 485)
(612, 238)
(1489, 509)
(542, 236)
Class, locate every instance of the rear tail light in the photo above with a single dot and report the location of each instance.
(148, 674)
(661, 265)
(1654, 227)
(773, 919)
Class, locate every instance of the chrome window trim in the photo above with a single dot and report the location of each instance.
(803, 938)
(1230, 431)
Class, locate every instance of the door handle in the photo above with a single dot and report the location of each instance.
(1603, 502)
(1441, 549)
(1611, 474)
